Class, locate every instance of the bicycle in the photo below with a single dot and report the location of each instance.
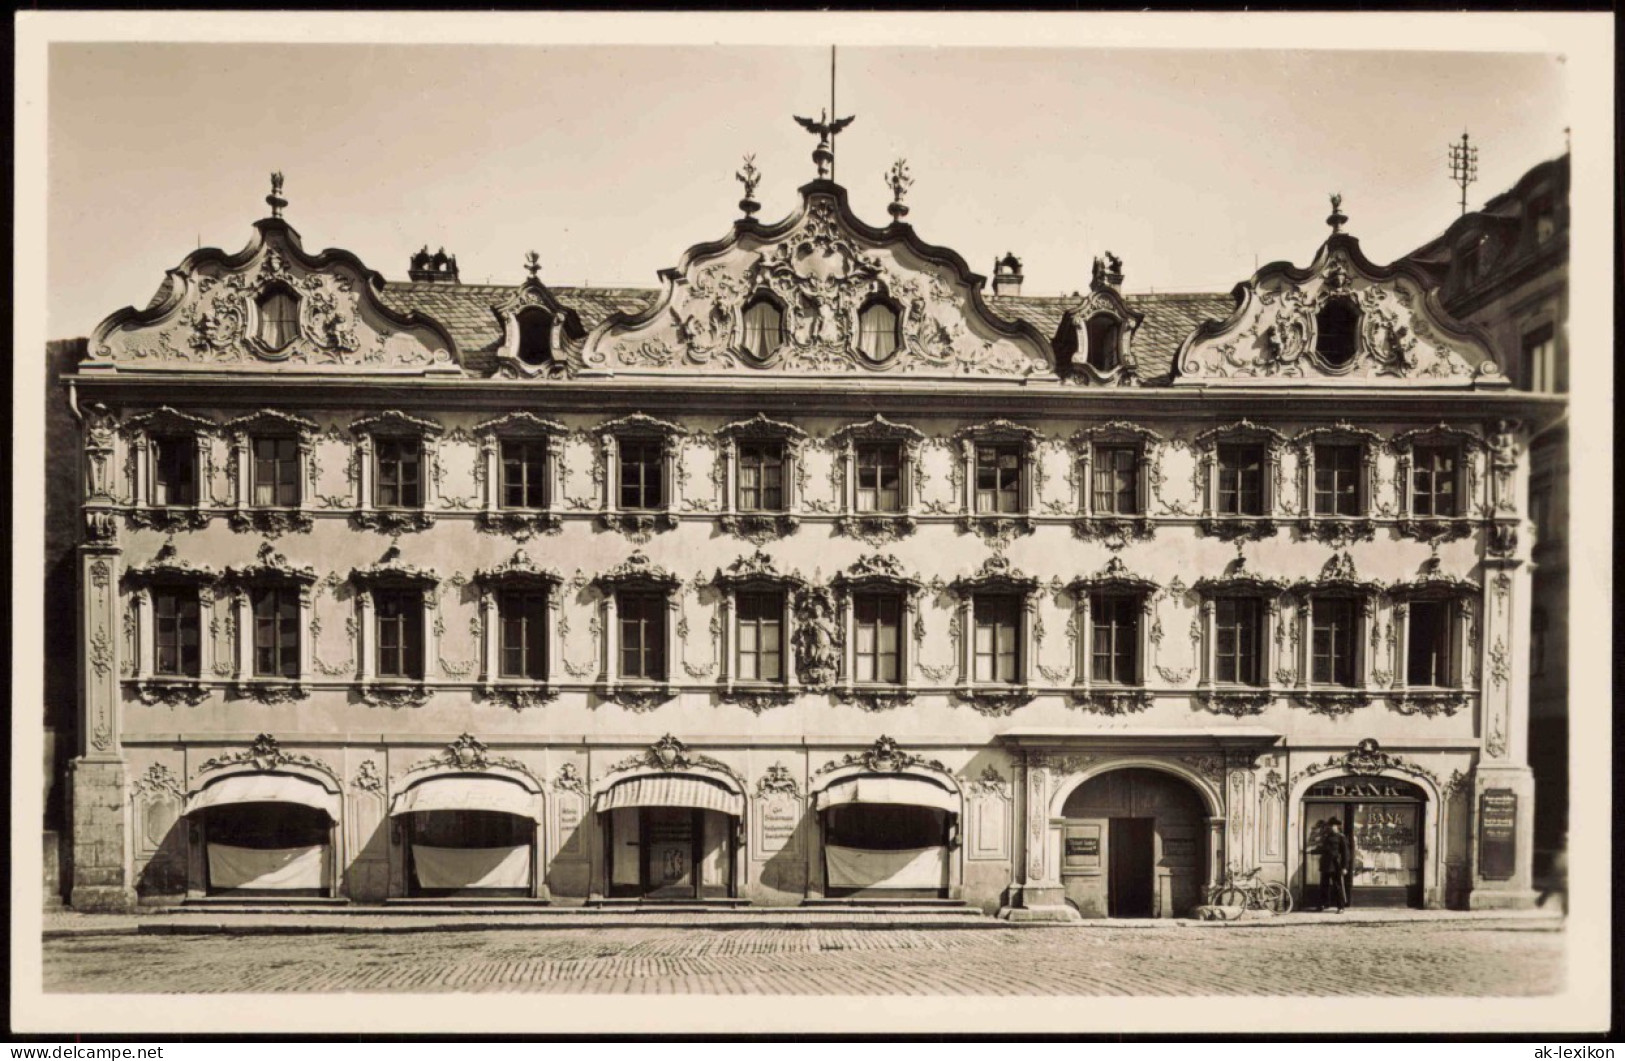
(1244, 888)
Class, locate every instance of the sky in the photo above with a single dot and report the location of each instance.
(1192, 166)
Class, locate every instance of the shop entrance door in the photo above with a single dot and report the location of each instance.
(1383, 820)
(671, 852)
(1131, 887)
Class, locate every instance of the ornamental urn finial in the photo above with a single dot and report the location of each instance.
(750, 177)
(275, 199)
(899, 180)
(1337, 219)
(533, 263)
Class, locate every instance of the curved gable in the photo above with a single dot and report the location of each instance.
(820, 270)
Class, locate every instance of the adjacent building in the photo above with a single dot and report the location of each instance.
(817, 573)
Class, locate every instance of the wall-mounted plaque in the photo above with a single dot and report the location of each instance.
(1497, 833)
(1083, 845)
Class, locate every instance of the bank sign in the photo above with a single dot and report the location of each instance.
(1363, 788)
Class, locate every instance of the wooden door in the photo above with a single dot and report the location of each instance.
(671, 839)
(1131, 870)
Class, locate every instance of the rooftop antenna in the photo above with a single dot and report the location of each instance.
(1463, 166)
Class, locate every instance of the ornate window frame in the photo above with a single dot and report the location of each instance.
(394, 424)
(518, 572)
(1112, 697)
(519, 426)
(876, 528)
(995, 577)
(141, 432)
(167, 571)
(391, 572)
(995, 526)
(241, 434)
(636, 573)
(748, 573)
(877, 573)
(879, 295)
(760, 527)
(639, 524)
(276, 285)
(1237, 582)
(1465, 598)
(1103, 301)
(740, 326)
(1338, 580)
(1206, 446)
(1333, 529)
(1472, 484)
(562, 326)
(1115, 527)
(270, 569)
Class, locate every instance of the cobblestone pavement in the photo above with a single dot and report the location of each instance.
(1441, 959)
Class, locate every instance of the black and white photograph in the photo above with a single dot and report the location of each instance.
(775, 524)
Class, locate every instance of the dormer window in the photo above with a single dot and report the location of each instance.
(878, 330)
(278, 317)
(174, 470)
(535, 336)
(764, 326)
(1543, 218)
(1104, 334)
(1337, 332)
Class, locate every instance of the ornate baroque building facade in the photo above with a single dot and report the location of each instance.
(817, 574)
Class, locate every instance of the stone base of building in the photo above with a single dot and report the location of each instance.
(1039, 913)
(103, 899)
(1488, 899)
(101, 882)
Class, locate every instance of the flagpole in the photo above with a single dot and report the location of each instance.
(832, 110)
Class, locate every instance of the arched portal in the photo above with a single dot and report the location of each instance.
(469, 835)
(264, 834)
(1384, 820)
(1134, 845)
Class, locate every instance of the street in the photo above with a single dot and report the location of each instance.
(1417, 958)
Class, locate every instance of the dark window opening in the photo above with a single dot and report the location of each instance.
(1538, 634)
(1237, 640)
(880, 478)
(535, 336)
(643, 635)
(877, 626)
(1337, 332)
(1433, 481)
(276, 472)
(174, 471)
(1241, 480)
(1116, 480)
(1333, 641)
(400, 633)
(761, 476)
(1540, 361)
(524, 474)
(642, 464)
(524, 634)
(998, 478)
(1115, 625)
(400, 473)
(177, 634)
(1103, 334)
(1337, 480)
(997, 651)
(276, 632)
(1429, 657)
(760, 625)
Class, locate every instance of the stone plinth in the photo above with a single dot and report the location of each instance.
(101, 882)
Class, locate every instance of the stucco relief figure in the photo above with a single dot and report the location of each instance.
(817, 655)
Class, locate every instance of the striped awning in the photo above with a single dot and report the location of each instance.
(460, 792)
(264, 788)
(672, 791)
(909, 791)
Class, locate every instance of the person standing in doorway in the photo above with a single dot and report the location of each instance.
(1334, 864)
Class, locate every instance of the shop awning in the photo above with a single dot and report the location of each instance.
(469, 793)
(672, 792)
(265, 788)
(910, 791)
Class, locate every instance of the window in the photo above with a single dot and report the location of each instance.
(760, 623)
(998, 479)
(761, 476)
(535, 336)
(523, 646)
(1115, 622)
(1537, 642)
(1433, 481)
(1237, 640)
(276, 632)
(1337, 332)
(1241, 479)
(1545, 218)
(1116, 481)
(642, 464)
(877, 330)
(877, 625)
(764, 327)
(1429, 659)
(1103, 332)
(524, 474)
(276, 472)
(997, 650)
(1540, 360)
(880, 478)
(279, 318)
(400, 633)
(643, 635)
(1333, 641)
(174, 470)
(1337, 480)
(176, 633)
(400, 472)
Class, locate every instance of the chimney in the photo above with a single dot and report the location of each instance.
(436, 268)
(1007, 275)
